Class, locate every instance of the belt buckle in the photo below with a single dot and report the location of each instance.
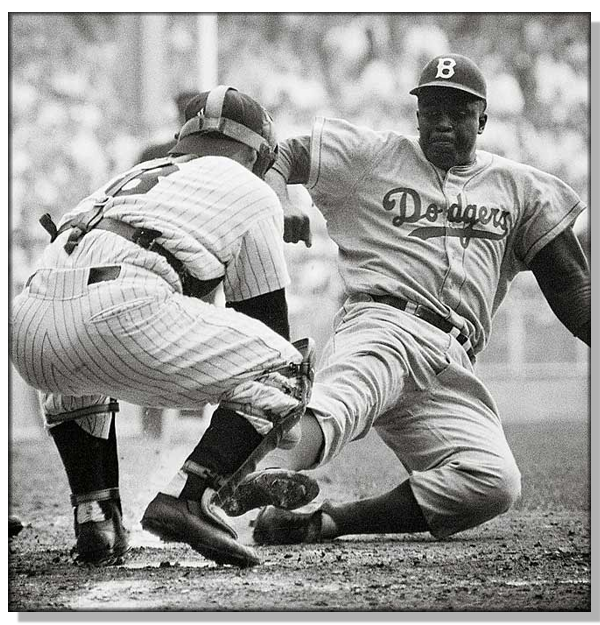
(412, 309)
(465, 342)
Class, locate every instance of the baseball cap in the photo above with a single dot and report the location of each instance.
(453, 71)
(226, 111)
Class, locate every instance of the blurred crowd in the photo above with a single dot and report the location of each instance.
(70, 128)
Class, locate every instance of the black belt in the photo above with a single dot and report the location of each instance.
(80, 225)
(430, 316)
(144, 237)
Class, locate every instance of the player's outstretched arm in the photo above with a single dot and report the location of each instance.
(561, 269)
(296, 221)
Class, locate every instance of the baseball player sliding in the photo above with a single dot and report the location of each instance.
(431, 231)
(115, 310)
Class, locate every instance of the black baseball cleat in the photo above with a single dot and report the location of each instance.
(281, 488)
(273, 526)
(200, 525)
(100, 542)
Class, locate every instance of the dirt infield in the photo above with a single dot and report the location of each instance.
(536, 558)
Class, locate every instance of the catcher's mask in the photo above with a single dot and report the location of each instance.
(225, 110)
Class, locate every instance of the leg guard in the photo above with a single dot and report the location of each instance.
(88, 449)
(90, 460)
(225, 444)
(303, 374)
(226, 454)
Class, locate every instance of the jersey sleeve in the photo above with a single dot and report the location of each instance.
(550, 207)
(293, 160)
(341, 154)
(259, 267)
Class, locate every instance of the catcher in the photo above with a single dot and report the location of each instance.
(115, 309)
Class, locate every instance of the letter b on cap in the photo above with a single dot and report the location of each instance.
(445, 68)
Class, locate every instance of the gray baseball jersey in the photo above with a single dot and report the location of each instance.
(451, 242)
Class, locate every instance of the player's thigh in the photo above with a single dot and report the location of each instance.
(186, 349)
(365, 370)
(456, 416)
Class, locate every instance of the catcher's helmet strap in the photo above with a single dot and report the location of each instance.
(229, 128)
(210, 119)
(215, 100)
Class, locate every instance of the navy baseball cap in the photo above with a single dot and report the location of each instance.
(453, 71)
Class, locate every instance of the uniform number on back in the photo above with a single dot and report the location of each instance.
(146, 180)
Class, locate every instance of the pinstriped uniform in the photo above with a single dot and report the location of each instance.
(138, 338)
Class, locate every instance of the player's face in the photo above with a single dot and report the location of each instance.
(449, 122)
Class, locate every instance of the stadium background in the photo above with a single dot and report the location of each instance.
(88, 91)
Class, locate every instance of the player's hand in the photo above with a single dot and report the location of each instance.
(296, 225)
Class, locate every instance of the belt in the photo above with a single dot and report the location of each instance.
(103, 274)
(430, 317)
(144, 237)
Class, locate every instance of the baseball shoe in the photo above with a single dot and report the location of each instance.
(281, 488)
(273, 526)
(199, 525)
(14, 525)
(100, 542)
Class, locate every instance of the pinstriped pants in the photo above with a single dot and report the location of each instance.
(137, 339)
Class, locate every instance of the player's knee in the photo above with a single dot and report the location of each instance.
(499, 489)
(481, 491)
(508, 489)
(495, 487)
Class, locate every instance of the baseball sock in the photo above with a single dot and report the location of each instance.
(226, 443)
(91, 463)
(394, 512)
(111, 456)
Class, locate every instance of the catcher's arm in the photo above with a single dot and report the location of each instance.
(561, 269)
(270, 308)
(292, 167)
